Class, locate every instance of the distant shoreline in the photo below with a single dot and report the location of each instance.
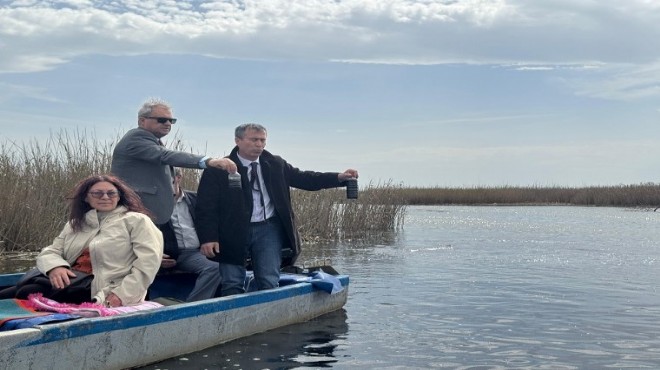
(641, 195)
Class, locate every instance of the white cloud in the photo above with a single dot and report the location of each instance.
(621, 82)
(13, 91)
(526, 35)
(383, 30)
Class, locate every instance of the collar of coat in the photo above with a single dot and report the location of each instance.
(92, 218)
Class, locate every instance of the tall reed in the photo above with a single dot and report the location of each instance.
(36, 178)
(642, 195)
(327, 214)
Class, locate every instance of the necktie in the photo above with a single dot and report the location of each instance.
(256, 185)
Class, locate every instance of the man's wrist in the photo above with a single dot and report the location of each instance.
(204, 162)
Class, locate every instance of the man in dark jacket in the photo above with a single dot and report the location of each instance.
(182, 245)
(256, 219)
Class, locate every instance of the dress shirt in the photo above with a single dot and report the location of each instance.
(257, 210)
(183, 225)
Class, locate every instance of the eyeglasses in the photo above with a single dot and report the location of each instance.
(163, 120)
(98, 194)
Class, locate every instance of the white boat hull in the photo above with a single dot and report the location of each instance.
(145, 337)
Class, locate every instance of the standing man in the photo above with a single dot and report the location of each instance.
(255, 220)
(141, 159)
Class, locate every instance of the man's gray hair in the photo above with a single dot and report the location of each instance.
(240, 130)
(149, 104)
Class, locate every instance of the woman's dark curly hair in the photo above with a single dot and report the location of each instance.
(79, 207)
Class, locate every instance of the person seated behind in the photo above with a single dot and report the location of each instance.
(109, 239)
(182, 245)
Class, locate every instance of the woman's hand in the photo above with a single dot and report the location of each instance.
(59, 277)
(112, 300)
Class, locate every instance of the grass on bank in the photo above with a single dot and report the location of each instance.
(37, 177)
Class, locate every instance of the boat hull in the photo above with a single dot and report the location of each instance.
(140, 338)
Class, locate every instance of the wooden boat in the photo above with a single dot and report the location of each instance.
(139, 338)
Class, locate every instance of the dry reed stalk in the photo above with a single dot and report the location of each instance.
(642, 195)
(36, 178)
(327, 215)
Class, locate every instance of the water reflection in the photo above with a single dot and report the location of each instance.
(11, 262)
(354, 250)
(310, 344)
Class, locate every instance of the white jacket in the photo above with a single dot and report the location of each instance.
(126, 249)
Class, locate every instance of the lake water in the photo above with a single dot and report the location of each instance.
(480, 288)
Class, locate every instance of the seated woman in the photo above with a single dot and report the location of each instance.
(108, 252)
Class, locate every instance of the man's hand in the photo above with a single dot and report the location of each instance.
(223, 163)
(167, 262)
(210, 249)
(348, 174)
(59, 277)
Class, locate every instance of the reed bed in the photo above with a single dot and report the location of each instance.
(36, 178)
(641, 195)
(327, 214)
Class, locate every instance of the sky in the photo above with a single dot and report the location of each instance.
(429, 93)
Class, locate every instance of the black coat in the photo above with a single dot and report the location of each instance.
(171, 245)
(223, 213)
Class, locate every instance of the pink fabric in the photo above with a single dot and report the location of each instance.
(38, 302)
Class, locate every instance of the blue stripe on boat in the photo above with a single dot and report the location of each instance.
(83, 327)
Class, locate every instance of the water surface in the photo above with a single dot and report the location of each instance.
(479, 288)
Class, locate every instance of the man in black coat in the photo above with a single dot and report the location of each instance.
(182, 245)
(256, 219)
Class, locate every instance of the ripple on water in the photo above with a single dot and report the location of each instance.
(493, 288)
